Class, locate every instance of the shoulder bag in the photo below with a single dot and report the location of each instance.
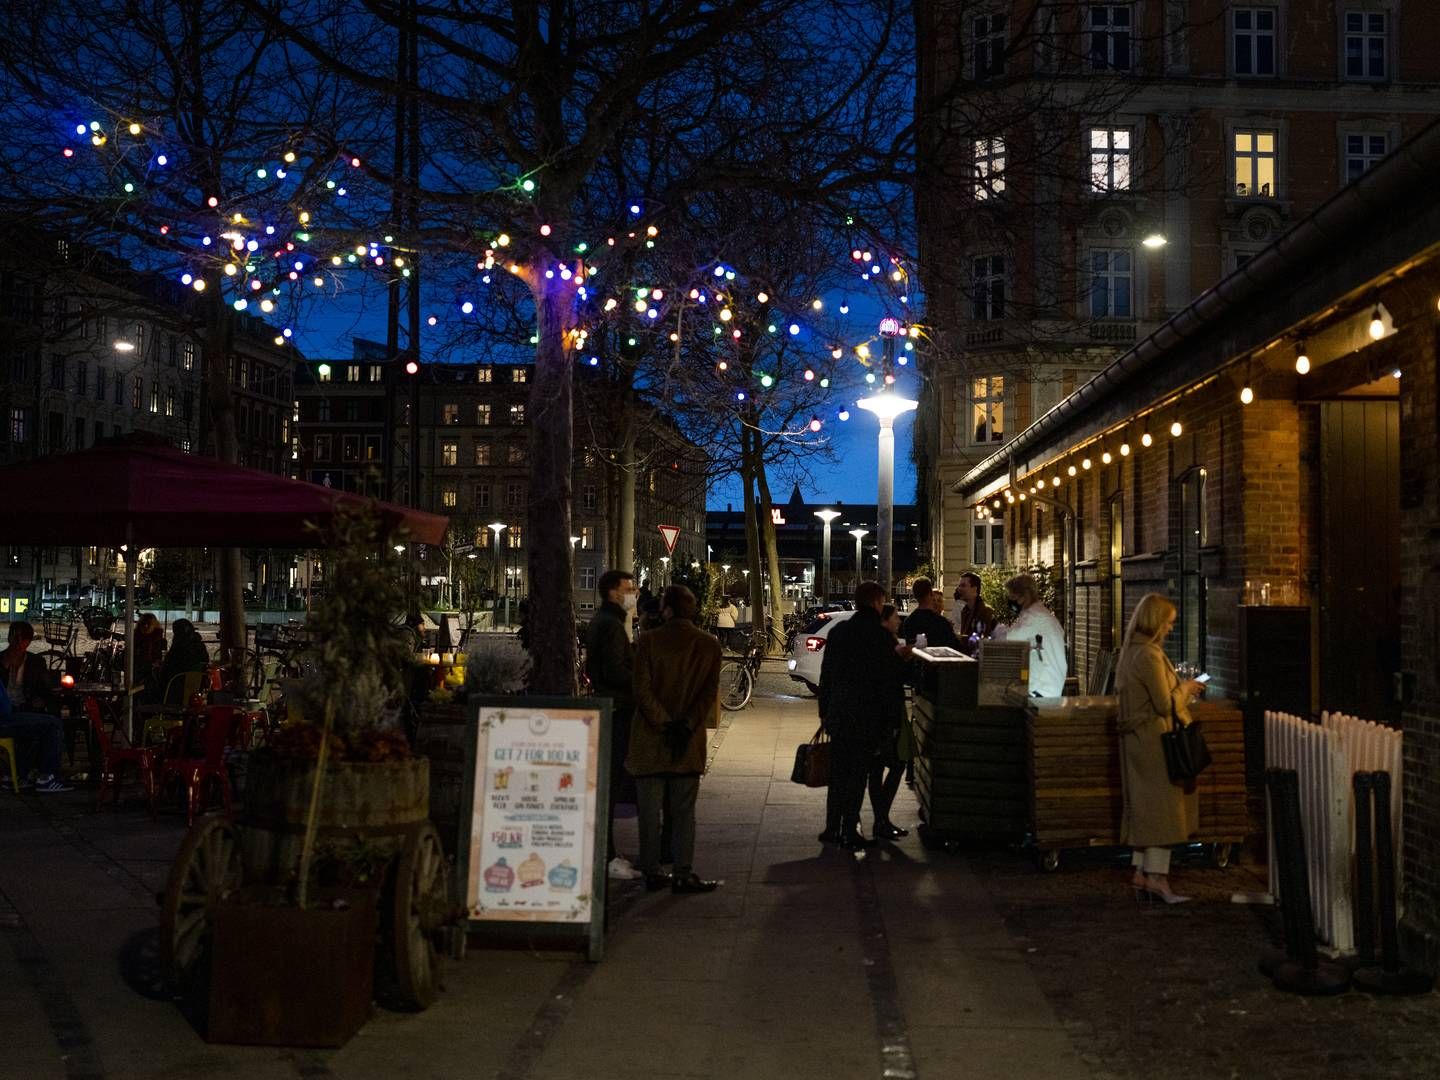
(812, 761)
(1186, 755)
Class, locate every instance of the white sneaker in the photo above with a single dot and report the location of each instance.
(621, 869)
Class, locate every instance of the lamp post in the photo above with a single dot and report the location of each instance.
(827, 516)
(497, 527)
(886, 407)
(859, 535)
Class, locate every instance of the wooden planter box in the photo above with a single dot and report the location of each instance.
(285, 977)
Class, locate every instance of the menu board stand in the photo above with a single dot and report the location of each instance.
(534, 820)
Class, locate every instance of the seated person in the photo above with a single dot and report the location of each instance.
(928, 617)
(187, 653)
(27, 712)
(149, 646)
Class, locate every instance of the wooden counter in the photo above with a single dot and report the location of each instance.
(1073, 759)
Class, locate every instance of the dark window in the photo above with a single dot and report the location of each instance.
(1110, 26)
(988, 45)
(987, 294)
(1253, 37)
(1191, 617)
(1366, 37)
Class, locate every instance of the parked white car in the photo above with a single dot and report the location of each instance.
(809, 648)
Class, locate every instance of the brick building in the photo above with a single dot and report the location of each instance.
(1060, 142)
(1270, 459)
(473, 460)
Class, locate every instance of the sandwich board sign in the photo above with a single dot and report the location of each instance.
(533, 820)
(669, 533)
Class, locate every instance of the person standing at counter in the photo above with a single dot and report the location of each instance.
(1032, 622)
(1158, 813)
(972, 617)
(927, 618)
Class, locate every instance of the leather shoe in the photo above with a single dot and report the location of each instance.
(829, 836)
(856, 841)
(656, 882)
(693, 883)
(887, 831)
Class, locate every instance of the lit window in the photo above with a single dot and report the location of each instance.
(449, 497)
(517, 415)
(586, 537)
(169, 401)
(449, 453)
(1252, 36)
(450, 414)
(1109, 159)
(1254, 164)
(322, 373)
(1110, 26)
(989, 167)
(515, 535)
(520, 375)
(19, 429)
(482, 453)
(1112, 279)
(137, 391)
(482, 374)
(1363, 151)
(187, 356)
(482, 415)
(1366, 37)
(154, 397)
(987, 295)
(352, 372)
(987, 410)
(372, 447)
(377, 373)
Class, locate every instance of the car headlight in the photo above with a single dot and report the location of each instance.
(792, 664)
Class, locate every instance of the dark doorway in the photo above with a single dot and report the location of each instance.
(1359, 557)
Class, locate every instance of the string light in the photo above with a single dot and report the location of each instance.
(1377, 324)
(1302, 359)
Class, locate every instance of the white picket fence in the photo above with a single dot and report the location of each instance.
(1326, 756)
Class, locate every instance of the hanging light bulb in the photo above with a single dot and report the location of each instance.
(1145, 439)
(1124, 449)
(1072, 470)
(1175, 428)
(1247, 395)
(1105, 458)
(1085, 464)
(1302, 359)
(1377, 324)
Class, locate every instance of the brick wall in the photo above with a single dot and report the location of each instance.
(1420, 633)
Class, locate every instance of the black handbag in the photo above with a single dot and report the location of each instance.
(1186, 755)
(812, 762)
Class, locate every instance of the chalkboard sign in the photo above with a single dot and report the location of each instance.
(534, 818)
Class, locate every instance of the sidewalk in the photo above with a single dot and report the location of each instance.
(904, 963)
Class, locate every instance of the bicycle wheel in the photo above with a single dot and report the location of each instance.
(736, 685)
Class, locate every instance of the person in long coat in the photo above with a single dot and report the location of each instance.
(1158, 813)
(677, 698)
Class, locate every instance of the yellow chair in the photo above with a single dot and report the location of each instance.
(8, 745)
(170, 712)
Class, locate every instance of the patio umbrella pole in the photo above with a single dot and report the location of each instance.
(130, 554)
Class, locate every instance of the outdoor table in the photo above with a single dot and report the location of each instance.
(73, 715)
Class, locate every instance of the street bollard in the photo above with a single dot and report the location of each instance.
(1390, 977)
(1304, 972)
(1364, 872)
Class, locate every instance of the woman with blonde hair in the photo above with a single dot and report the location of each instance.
(1159, 813)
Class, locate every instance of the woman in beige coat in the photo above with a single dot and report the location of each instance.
(1158, 812)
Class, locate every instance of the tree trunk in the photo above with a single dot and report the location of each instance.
(625, 527)
(776, 640)
(552, 451)
(752, 536)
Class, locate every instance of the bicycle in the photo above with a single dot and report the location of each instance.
(737, 679)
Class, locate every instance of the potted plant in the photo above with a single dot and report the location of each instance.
(330, 803)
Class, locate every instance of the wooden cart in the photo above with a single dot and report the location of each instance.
(1073, 758)
(380, 809)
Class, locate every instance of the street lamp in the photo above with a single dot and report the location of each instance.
(664, 569)
(859, 535)
(886, 407)
(827, 516)
(497, 527)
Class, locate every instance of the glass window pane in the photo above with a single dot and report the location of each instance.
(1122, 172)
(1265, 142)
(1099, 138)
(1353, 20)
(1122, 138)
(1242, 141)
(1122, 298)
(997, 386)
(1265, 176)
(1264, 56)
(1242, 19)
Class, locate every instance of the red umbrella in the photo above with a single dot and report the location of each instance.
(129, 492)
(132, 491)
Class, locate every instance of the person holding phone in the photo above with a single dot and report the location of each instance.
(1158, 813)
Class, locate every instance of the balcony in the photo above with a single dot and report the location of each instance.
(1112, 333)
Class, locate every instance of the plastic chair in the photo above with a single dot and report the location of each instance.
(113, 757)
(195, 772)
(8, 745)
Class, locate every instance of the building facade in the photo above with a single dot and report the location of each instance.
(1087, 170)
(95, 350)
(472, 443)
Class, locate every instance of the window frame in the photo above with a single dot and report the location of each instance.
(991, 399)
(984, 307)
(1365, 35)
(1111, 154)
(1108, 33)
(1234, 33)
(483, 414)
(449, 454)
(988, 167)
(985, 534)
(1237, 128)
(1111, 275)
(986, 30)
(1348, 132)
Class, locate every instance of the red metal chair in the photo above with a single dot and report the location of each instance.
(113, 758)
(196, 770)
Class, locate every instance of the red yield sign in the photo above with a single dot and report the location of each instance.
(669, 533)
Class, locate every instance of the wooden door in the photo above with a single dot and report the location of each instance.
(1359, 557)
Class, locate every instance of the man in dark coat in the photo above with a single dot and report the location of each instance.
(928, 617)
(610, 665)
(677, 694)
(973, 618)
(862, 677)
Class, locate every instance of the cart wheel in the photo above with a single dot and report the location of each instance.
(422, 897)
(1221, 853)
(1049, 860)
(207, 869)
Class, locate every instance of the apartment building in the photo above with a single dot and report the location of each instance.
(1089, 169)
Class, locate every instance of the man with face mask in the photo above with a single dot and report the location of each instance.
(610, 664)
(1032, 622)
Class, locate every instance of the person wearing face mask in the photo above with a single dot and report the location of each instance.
(610, 664)
(1032, 622)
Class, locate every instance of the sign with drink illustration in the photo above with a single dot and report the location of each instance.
(534, 849)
